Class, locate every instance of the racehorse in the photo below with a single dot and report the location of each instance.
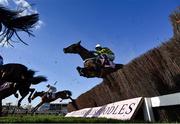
(90, 62)
(20, 78)
(6, 90)
(11, 22)
(65, 94)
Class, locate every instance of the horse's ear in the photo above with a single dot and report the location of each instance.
(79, 42)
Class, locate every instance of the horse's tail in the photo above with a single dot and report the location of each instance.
(7, 13)
(68, 92)
(38, 79)
(25, 22)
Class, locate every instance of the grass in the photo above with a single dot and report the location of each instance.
(54, 119)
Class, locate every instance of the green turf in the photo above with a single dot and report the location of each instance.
(53, 118)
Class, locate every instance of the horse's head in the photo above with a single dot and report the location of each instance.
(74, 48)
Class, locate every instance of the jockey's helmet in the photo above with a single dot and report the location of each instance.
(98, 46)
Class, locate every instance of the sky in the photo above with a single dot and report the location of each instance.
(128, 27)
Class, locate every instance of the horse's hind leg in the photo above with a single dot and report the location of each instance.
(79, 69)
(19, 102)
(84, 72)
(22, 97)
(118, 66)
(32, 91)
(41, 103)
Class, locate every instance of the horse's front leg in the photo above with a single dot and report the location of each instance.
(16, 94)
(32, 91)
(22, 97)
(81, 71)
(71, 98)
(15, 89)
(19, 102)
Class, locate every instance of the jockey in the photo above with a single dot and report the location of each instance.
(1, 60)
(51, 91)
(106, 55)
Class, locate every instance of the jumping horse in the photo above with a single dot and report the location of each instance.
(90, 62)
(65, 94)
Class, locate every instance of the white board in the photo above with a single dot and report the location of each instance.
(122, 110)
(166, 100)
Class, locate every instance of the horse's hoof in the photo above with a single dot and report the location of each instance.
(19, 105)
(16, 95)
(79, 69)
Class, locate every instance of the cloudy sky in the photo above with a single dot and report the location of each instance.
(128, 27)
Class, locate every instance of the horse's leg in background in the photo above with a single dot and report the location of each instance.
(40, 104)
(19, 102)
(23, 95)
(73, 103)
(32, 91)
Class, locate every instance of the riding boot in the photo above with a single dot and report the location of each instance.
(16, 95)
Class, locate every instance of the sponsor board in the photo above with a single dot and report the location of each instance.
(122, 110)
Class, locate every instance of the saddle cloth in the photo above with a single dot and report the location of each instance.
(105, 62)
